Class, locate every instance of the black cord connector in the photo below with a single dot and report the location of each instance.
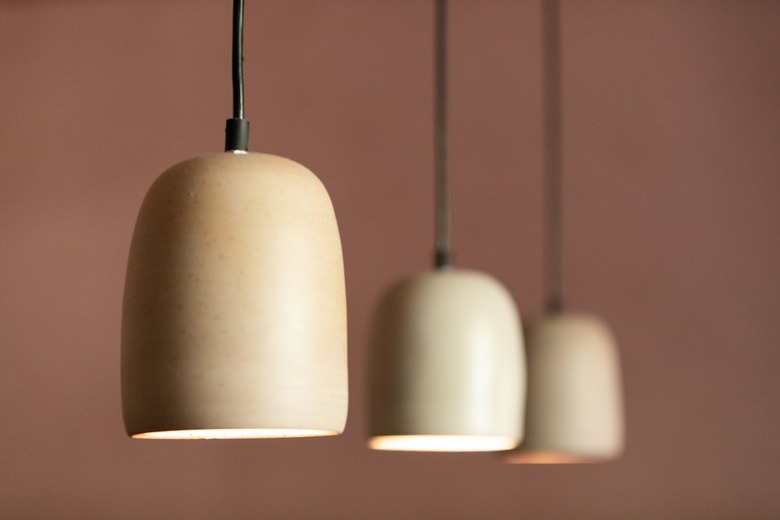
(236, 135)
(442, 259)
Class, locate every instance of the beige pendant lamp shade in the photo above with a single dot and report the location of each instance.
(446, 370)
(234, 318)
(446, 365)
(574, 409)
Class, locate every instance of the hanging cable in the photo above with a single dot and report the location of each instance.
(443, 216)
(237, 128)
(238, 59)
(553, 150)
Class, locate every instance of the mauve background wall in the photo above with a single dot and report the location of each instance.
(672, 161)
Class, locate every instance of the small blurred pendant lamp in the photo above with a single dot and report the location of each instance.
(234, 315)
(574, 411)
(446, 367)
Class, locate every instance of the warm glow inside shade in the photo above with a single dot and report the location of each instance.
(447, 368)
(442, 443)
(234, 318)
(574, 411)
(234, 433)
(547, 457)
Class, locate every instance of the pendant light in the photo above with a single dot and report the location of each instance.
(234, 315)
(446, 369)
(574, 411)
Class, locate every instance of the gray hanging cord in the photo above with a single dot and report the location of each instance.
(553, 149)
(442, 181)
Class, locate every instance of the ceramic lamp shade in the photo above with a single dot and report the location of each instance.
(234, 316)
(446, 369)
(574, 411)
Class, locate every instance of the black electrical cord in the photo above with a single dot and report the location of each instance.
(237, 128)
(238, 59)
(553, 150)
(443, 217)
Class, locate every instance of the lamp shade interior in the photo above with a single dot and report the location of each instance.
(574, 411)
(446, 369)
(233, 433)
(442, 442)
(234, 316)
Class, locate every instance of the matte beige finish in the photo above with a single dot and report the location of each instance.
(574, 411)
(446, 369)
(234, 319)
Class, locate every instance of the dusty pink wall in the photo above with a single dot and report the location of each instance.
(672, 159)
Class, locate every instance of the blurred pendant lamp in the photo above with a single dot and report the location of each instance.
(234, 315)
(446, 356)
(574, 408)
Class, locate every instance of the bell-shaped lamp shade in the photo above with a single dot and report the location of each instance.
(446, 368)
(234, 318)
(574, 411)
